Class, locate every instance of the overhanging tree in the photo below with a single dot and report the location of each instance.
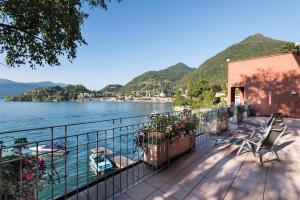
(37, 32)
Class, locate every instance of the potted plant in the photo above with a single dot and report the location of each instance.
(216, 120)
(166, 137)
(21, 173)
(239, 113)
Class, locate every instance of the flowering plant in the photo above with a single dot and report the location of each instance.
(220, 114)
(241, 109)
(164, 128)
(20, 173)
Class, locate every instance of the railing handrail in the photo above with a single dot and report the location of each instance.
(82, 123)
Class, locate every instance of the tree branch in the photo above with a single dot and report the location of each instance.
(15, 28)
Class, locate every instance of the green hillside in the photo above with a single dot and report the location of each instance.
(155, 82)
(111, 89)
(215, 69)
(56, 93)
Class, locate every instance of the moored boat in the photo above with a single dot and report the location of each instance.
(100, 162)
(56, 149)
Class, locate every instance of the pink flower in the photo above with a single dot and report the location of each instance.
(28, 162)
(181, 126)
(29, 176)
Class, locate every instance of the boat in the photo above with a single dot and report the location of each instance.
(100, 162)
(57, 149)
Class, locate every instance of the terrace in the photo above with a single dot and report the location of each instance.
(206, 172)
(211, 172)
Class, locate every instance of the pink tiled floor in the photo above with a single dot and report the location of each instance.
(216, 173)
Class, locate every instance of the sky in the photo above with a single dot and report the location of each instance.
(136, 36)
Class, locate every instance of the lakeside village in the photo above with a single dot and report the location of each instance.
(137, 97)
(181, 98)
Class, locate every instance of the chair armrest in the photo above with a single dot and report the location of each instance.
(278, 130)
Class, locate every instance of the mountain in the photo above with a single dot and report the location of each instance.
(155, 82)
(12, 88)
(215, 68)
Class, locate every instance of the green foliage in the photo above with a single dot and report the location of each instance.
(220, 114)
(241, 109)
(155, 82)
(204, 100)
(199, 94)
(164, 128)
(179, 100)
(37, 32)
(214, 70)
(56, 93)
(198, 89)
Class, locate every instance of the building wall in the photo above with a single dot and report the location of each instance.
(268, 83)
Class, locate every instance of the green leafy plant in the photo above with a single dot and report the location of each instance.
(166, 128)
(241, 109)
(219, 114)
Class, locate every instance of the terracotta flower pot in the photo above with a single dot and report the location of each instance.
(159, 154)
(216, 126)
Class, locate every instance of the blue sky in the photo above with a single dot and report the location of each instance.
(140, 35)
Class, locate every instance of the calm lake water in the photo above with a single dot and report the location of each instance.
(27, 115)
(22, 115)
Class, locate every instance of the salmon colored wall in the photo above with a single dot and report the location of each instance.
(268, 83)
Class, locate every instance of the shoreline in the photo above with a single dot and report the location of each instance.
(106, 101)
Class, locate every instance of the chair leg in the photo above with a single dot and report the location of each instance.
(241, 148)
(260, 159)
(276, 154)
(249, 147)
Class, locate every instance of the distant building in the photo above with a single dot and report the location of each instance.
(269, 84)
(220, 94)
(162, 94)
(86, 95)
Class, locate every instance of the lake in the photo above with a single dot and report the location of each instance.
(23, 115)
(27, 115)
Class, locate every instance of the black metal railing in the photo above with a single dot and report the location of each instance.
(57, 162)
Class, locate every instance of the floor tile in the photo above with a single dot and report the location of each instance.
(175, 190)
(158, 195)
(141, 191)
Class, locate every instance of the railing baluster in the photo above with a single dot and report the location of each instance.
(77, 167)
(52, 164)
(105, 189)
(65, 156)
(37, 171)
(126, 156)
(113, 151)
(97, 141)
(138, 165)
(144, 165)
(21, 173)
(87, 166)
(132, 154)
(1, 181)
(120, 150)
